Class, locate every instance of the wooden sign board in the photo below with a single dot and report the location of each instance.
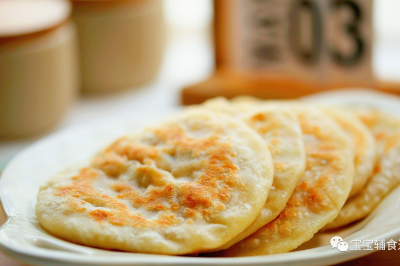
(289, 48)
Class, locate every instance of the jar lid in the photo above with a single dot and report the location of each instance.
(20, 17)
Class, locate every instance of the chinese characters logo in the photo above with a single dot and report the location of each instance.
(368, 244)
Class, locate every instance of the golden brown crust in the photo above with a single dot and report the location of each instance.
(280, 129)
(364, 146)
(386, 174)
(320, 194)
(187, 185)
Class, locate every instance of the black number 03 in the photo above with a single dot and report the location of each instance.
(312, 55)
(353, 30)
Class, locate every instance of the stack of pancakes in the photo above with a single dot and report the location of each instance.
(237, 178)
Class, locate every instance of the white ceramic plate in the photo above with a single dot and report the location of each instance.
(23, 238)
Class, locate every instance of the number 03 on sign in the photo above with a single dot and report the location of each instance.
(296, 46)
(322, 40)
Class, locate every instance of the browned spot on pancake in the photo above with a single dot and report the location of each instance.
(224, 192)
(117, 213)
(221, 207)
(258, 117)
(295, 201)
(168, 219)
(71, 190)
(135, 151)
(370, 119)
(76, 206)
(153, 200)
(115, 144)
(205, 213)
(174, 205)
(99, 215)
(111, 163)
(190, 212)
(212, 184)
(147, 175)
(86, 174)
(139, 153)
(263, 128)
(117, 221)
(316, 199)
(304, 185)
(275, 141)
(196, 195)
(272, 226)
(377, 168)
(120, 187)
(286, 228)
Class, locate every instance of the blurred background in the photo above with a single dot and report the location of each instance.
(86, 60)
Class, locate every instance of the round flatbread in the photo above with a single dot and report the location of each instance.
(363, 143)
(318, 197)
(386, 176)
(279, 127)
(187, 185)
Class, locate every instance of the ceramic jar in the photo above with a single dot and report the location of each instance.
(121, 42)
(38, 65)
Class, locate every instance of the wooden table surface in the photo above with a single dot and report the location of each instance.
(387, 258)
